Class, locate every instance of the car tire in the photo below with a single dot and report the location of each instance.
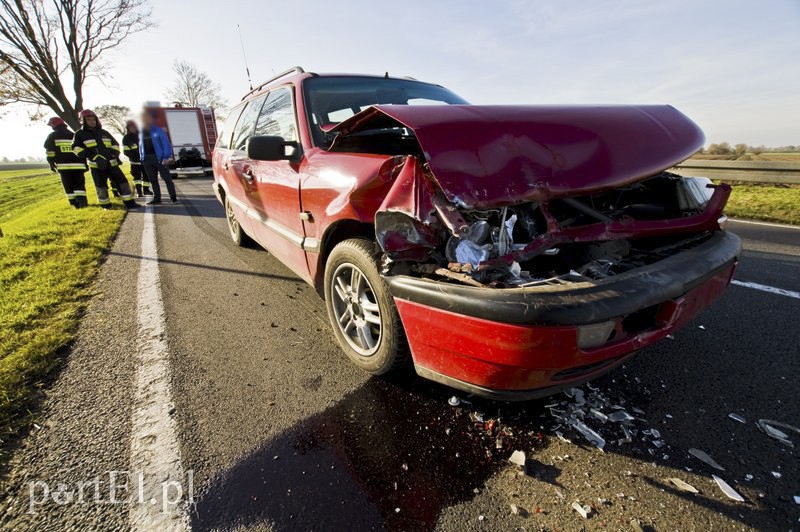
(238, 235)
(363, 315)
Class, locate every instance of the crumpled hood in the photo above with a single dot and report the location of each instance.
(484, 156)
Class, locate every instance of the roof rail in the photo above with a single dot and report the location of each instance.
(293, 70)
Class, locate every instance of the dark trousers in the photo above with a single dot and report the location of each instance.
(74, 184)
(153, 168)
(140, 180)
(118, 181)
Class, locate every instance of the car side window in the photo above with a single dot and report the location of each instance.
(224, 138)
(277, 118)
(246, 124)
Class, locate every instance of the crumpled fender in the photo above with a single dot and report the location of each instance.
(404, 223)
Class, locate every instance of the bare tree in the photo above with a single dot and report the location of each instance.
(114, 116)
(194, 88)
(49, 48)
(740, 149)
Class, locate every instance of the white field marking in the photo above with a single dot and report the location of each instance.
(768, 224)
(156, 473)
(765, 288)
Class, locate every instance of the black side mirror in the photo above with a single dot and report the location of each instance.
(265, 148)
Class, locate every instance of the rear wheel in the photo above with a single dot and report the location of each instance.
(362, 313)
(234, 227)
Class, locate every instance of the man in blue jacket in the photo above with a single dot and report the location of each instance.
(155, 151)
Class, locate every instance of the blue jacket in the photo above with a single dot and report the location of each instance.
(161, 144)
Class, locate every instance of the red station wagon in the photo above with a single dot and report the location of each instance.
(507, 251)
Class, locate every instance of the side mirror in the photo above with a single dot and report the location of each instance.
(265, 148)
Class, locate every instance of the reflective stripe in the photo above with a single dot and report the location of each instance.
(134, 146)
(126, 196)
(90, 143)
(77, 150)
(70, 196)
(136, 163)
(80, 192)
(59, 142)
(113, 162)
(51, 154)
(103, 201)
(136, 182)
(71, 166)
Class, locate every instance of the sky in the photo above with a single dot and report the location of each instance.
(733, 66)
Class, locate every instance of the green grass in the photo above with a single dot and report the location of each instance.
(49, 256)
(765, 202)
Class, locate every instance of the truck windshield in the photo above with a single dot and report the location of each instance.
(331, 100)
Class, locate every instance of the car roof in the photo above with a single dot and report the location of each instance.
(295, 75)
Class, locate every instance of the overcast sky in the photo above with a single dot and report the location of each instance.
(733, 66)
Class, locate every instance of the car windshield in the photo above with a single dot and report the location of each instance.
(331, 100)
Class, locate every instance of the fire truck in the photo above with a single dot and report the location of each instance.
(192, 132)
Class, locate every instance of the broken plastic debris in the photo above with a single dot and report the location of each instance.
(476, 417)
(776, 474)
(468, 252)
(454, 401)
(748, 477)
(598, 414)
(578, 395)
(727, 489)
(590, 435)
(703, 457)
(518, 459)
(683, 486)
(584, 509)
(702, 327)
(768, 427)
(518, 510)
(737, 417)
(797, 499)
(619, 416)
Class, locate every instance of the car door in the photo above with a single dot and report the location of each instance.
(239, 172)
(221, 164)
(276, 194)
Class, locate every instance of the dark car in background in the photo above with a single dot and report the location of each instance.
(508, 251)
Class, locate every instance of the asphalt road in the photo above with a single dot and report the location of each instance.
(277, 431)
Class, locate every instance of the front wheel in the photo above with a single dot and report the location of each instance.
(362, 313)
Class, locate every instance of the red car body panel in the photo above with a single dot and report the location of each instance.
(489, 156)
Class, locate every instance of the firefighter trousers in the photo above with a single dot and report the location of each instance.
(74, 184)
(140, 181)
(118, 180)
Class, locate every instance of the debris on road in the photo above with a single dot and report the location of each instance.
(797, 499)
(620, 416)
(591, 436)
(518, 510)
(518, 459)
(583, 509)
(727, 489)
(683, 486)
(737, 417)
(454, 401)
(703, 457)
(767, 426)
(776, 474)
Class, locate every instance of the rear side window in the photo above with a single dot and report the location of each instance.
(224, 138)
(246, 124)
(277, 118)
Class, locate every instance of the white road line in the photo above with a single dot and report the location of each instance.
(765, 288)
(768, 224)
(156, 474)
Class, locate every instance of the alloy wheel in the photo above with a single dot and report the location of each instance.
(356, 309)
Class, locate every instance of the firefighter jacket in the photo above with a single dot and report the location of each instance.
(130, 147)
(97, 146)
(59, 150)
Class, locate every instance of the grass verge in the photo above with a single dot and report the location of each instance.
(49, 256)
(765, 202)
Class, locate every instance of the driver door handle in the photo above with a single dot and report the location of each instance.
(248, 174)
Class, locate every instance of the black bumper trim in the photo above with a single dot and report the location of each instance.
(593, 302)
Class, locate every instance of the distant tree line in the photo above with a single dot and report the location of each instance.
(724, 148)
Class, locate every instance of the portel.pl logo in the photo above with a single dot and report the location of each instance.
(114, 487)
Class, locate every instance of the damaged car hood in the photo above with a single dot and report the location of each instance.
(488, 156)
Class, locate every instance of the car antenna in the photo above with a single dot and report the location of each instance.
(246, 68)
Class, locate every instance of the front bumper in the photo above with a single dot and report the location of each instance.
(522, 343)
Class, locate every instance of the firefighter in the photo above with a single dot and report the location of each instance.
(130, 147)
(101, 151)
(66, 163)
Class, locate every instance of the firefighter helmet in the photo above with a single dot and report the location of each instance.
(88, 112)
(55, 122)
